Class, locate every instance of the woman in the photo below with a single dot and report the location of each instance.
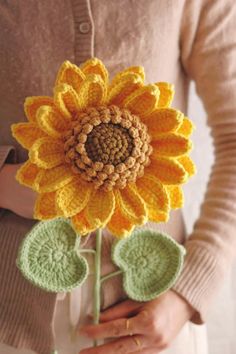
(175, 41)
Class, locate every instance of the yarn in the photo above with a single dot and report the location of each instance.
(151, 262)
(48, 257)
(114, 142)
(108, 147)
(101, 155)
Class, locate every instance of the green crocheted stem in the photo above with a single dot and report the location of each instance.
(85, 250)
(111, 275)
(97, 280)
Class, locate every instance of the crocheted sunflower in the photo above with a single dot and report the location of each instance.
(105, 154)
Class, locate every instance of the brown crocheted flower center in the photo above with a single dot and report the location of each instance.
(108, 146)
(109, 143)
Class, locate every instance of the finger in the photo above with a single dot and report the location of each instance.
(113, 329)
(147, 351)
(124, 309)
(126, 345)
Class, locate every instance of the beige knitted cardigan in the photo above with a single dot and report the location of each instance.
(175, 41)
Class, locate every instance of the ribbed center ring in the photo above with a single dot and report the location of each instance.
(107, 146)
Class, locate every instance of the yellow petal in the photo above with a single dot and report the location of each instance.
(176, 196)
(70, 74)
(53, 179)
(166, 94)
(32, 104)
(119, 225)
(157, 215)
(167, 170)
(73, 197)
(137, 70)
(131, 205)
(27, 174)
(51, 121)
(47, 153)
(163, 120)
(26, 133)
(93, 91)
(95, 66)
(66, 100)
(46, 207)
(171, 145)
(100, 208)
(186, 128)
(155, 196)
(143, 101)
(122, 88)
(187, 164)
(81, 224)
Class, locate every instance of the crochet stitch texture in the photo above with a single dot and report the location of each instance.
(151, 263)
(105, 154)
(48, 257)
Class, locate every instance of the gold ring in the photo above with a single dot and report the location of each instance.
(127, 326)
(137, 341)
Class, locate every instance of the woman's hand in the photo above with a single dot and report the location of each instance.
(145, 328)
(14, 196)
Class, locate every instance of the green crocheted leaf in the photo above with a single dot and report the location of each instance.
(151, 263)
(48, 257)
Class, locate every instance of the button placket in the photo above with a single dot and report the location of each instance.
(84, 30)
(84, 27)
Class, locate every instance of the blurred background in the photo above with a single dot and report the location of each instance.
(222, 320)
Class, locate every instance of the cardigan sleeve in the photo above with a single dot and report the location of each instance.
(209, 58)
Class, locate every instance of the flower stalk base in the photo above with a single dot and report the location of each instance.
(97, 280)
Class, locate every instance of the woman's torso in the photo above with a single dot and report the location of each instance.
(38, 36)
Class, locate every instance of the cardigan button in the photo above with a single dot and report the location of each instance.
(84, 27)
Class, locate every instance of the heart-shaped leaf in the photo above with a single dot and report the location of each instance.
(48, 256)
(151, 263)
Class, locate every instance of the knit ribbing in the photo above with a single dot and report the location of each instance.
(84, 40)
(19, 299)
(211, 246)
(200, 271)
